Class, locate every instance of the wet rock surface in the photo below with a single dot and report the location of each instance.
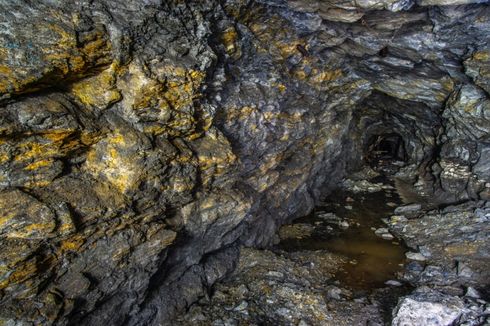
(285, 289)
(143, 142)
(309, 280)
(448, 267)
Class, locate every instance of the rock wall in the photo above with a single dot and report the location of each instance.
(141, 142)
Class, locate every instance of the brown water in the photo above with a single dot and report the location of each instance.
(371, 260)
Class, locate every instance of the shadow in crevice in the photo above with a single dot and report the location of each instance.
(407, 192)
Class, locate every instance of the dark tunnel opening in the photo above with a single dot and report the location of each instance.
(385, 152)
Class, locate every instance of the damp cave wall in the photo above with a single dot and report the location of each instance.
(141, 142)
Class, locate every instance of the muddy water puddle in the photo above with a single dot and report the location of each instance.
(345, 226)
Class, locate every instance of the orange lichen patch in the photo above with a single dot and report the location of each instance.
(24, 217)
(97, 45)
(71, 244)
(139, 90)
(3, 53)
(90, 138)
(315, 77)
(185, 159)
(6, 217)
(287, 49)
(10, 82)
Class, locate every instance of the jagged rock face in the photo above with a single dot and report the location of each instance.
(142, 141)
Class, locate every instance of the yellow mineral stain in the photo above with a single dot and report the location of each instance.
(326, 75)
(4, 157)
(281, 87)
(111, 161)
(99, 90)
(481, 55)
(58, 135)
(38, 164)
(174, 95)
(20, 274)
(71, 244)
(229, 38)
(4, 70)
(30, 150)
(6, 218)
(464, 248)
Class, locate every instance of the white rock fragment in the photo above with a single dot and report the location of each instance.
(384, 233)
(242, 306)
(418, 311)
(344, 225)
(380, 231)
(334, 293)
(407, 209)
(303, 323)
(415, 256)
(464, 270)
(275, 274)
(472, 293)
(387, 236)
(393, 283)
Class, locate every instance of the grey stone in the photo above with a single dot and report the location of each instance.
(431, 309)
(415, 256)
(393, 283)
(143, 142)
(408, 209)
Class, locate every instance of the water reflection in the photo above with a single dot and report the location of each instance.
(371, 260)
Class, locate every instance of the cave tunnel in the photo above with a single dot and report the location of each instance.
(241, 162)
(385, 149)
(392, 135)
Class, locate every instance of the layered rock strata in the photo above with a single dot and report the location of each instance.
(141, 142)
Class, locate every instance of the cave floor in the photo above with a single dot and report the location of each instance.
(346, 263)
(350, 224)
